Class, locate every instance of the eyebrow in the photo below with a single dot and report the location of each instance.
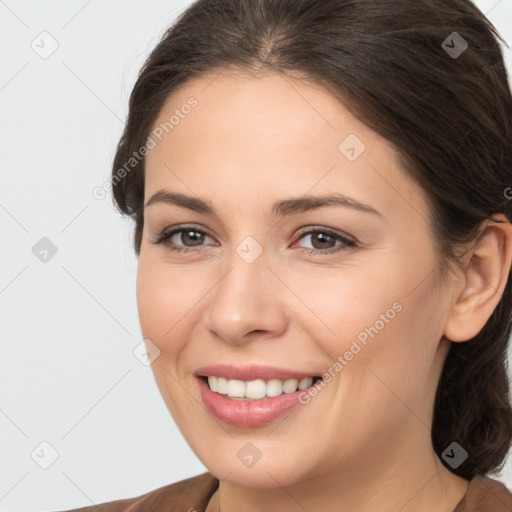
(279, 208)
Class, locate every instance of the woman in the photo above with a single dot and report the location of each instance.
(321, 195)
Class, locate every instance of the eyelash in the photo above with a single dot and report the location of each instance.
(346, 242)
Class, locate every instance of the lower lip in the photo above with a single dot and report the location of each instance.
(247, 413)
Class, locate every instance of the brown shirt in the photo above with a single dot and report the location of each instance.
(197, 494)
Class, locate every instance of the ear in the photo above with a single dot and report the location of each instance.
(487, 270)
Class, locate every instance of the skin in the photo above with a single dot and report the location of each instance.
(364, 442)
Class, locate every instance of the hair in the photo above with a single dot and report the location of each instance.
(449, 117)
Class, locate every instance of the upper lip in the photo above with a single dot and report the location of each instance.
(252, 372)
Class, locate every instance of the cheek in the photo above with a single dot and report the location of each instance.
(171, 301)
(375, 319)
(163, 298)
(398, 344)
(337, 305)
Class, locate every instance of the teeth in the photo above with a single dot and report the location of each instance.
(212, 382)
(256, 389)
(222, 386)
(236, 388)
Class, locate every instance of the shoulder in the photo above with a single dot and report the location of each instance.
(487, 494)
(191, 494)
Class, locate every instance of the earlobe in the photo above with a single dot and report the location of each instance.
(486, 273)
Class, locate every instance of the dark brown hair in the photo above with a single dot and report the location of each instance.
(449, 117)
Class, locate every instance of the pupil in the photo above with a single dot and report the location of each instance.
(196, 240)
(323, 237)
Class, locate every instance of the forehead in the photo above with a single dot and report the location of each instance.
(277, 109)
(272, 133)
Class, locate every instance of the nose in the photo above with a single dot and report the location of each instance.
(246, 303)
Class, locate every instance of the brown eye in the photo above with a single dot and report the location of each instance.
(321, 240)
(189, 237)
(325, 241)
(182, 239)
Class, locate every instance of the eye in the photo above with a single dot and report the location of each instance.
(188, 236)
(324, 240)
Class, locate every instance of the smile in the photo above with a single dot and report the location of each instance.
(251, 396)
(257, 389)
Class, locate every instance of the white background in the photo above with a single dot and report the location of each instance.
(70, 325)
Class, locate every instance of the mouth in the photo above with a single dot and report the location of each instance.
(252, 396)
(236, 389)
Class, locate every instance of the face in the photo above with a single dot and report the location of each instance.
(297, 247)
